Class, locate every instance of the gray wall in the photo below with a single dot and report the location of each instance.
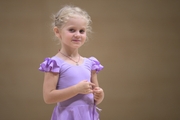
(137, 41)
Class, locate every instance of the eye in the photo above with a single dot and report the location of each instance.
(82, 31)
(72, 30)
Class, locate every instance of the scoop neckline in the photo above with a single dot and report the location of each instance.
(84, 59)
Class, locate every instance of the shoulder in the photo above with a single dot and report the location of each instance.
(58, 60)
(93, 59)
(95, 64)
(54, 60)
(51, 64)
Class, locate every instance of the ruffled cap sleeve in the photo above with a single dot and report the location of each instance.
(96, 64)
(49, 65)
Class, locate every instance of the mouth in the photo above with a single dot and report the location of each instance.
(76, 40)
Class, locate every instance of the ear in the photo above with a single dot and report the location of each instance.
(56, 31)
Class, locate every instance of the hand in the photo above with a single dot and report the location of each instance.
(85, 87)
(98, 93)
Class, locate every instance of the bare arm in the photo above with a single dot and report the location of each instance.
(98, 92)
(51, 95)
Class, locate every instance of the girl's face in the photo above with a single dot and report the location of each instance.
(73, 33)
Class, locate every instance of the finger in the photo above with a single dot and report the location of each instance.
(97, 91)
(96, 88)
(100, 91)
(88, 91)
(96, 97)
(92, 84)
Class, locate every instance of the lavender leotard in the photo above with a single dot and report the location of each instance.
(81, 106)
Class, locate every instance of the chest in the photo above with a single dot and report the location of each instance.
(71, 75)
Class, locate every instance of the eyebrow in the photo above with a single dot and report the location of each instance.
(71, 26)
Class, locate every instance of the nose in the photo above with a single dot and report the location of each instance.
(77, 34)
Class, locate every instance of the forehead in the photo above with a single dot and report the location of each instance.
(76, 21)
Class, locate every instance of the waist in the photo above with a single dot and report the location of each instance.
(80, 99)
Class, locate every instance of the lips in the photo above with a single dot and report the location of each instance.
(76, 40)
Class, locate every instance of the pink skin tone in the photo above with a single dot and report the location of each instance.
(72, 35)
(98, 94)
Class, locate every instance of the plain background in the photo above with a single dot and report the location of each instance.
(137, 42)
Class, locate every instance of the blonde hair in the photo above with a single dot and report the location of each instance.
(61, 17)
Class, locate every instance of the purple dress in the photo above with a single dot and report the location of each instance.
(81, 106)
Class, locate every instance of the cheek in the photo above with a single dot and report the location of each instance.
(84, 36)
(67, 35)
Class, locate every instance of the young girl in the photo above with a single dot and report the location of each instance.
(71, 80)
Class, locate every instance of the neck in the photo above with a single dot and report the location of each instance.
(72, 58)
(70, 53)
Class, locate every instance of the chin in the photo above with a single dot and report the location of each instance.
(77, 46)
